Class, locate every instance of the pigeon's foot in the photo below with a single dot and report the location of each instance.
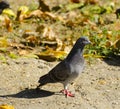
(67, 93)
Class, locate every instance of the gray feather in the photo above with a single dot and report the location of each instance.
(70, 68)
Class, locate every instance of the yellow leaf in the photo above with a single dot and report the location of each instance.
(23, 9)
(5, 106)
(51, 55)
(3, 42)
(117, 44)
(31, 56)
(9, 12)
(22, 13)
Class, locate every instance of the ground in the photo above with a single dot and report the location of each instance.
(98, 87)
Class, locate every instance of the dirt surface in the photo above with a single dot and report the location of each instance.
(98, 87)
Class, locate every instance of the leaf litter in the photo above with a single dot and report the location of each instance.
(53, 26)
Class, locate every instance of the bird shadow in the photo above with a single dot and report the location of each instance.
(115, 61)
(31, 93)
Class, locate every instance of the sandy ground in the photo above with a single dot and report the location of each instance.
(98, 87)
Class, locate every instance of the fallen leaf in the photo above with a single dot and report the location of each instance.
(32, 39)
(23, 9)
(48, 33)
(108, 44)
(117, 44)
(9, 12)
(8, 24)
(59, 44)
(35, 13)
(51, 15)
(3, 42)
(22, 13)
(23, 52)
(51, 55)
(6, 106)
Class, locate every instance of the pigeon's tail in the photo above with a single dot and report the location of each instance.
(44, 80)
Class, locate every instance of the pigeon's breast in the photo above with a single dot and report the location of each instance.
(77, 67)
(75, 71)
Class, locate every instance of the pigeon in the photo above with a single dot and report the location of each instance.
(69, 69)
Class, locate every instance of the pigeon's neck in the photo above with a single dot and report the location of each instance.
(76, 51)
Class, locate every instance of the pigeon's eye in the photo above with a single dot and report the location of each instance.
(84, 41)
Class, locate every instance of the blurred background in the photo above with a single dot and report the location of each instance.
(48, 29)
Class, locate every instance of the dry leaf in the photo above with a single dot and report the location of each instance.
(59, 44)
(22, 13)
(32, 39)
(23, 9)
(48, 33)
(9, 12)
(117, 44)
(35, 13)
(29, 32)
(44, 15)
(108, 44)
(8, 24)
(3, 42)
(51, 15)
(5, 106)
(23, 52)
(16, 45)
(49, 43)
(51, 55)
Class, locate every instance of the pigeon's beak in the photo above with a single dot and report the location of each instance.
(88, 42)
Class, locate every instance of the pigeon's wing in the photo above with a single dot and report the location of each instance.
(60, 72)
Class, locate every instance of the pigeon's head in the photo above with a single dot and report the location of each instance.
(83, 41)
(78, 48)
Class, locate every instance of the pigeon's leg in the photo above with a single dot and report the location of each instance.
(66, 92)
(39, 86)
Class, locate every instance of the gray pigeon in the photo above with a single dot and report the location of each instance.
(68, 69)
